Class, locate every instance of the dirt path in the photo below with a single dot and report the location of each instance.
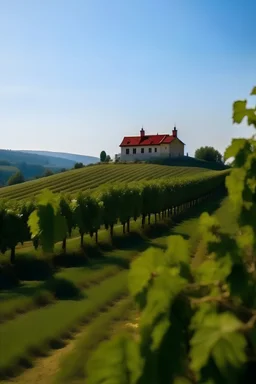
(46, 368)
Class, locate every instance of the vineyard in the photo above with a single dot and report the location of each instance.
(51, 217)
(71, 301)
(92, 177)
(190, 318)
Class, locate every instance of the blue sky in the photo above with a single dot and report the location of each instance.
(78, 75)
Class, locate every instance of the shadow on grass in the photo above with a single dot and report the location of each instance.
(195, 212)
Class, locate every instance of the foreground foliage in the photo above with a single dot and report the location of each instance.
(196, 325)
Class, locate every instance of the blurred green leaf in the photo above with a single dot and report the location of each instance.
(115, 362)
(239, 111)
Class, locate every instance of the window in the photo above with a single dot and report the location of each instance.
(150, 150)
(142, 150)
(127, 151)
(155, 149)
(134, 151)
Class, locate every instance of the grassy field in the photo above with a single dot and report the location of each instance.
(93, 176)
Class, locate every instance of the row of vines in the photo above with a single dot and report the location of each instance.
(91, 177)
(50, 217)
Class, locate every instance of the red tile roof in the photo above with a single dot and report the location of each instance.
(135, 141)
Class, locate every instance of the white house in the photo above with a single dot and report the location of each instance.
(144, 147)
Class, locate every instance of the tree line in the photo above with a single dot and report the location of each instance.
(50, 217)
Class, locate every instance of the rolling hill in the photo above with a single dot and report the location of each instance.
(91, 177)
(15, 157)
(69, 156)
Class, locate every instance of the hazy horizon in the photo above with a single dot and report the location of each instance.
(76, 77)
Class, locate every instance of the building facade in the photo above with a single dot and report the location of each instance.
(145, 147)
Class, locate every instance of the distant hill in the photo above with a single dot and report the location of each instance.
(15, 157)
(69, 156)
(33, 164)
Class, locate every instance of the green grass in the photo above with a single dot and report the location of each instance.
(38, 331)
(92, 177)
(9, 308)
(72, 367)
(25, 297)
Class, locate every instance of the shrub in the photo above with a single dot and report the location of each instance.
(62, 288)
(43, 297)
(17, 178)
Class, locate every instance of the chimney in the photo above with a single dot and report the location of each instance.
(142, 132)
(174, 132)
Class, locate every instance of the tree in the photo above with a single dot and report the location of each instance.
(12, 231)
(47, 172)
(78, 165)
(108, 159)
(66, 210)
(16, 178)
(87, 215)
(208, 154)
(46, 223)
(103, 156)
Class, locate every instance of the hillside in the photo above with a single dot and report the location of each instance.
(69, 156)
(187, 161)
(91, 177)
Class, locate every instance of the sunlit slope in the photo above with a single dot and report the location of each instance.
(93, 176)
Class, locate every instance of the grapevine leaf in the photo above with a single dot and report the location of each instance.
(159, 331)
(211, 271)
(246, 237)
(209, 227)
(229, 351)
(239, 111)
(233, 149)
(253, 92)
(251, 114)
(235, 185)
(47, 197)
(123, 364)
(177, 250)
(217, 338)
(33, 223)
(144, 268)
(160, 297)
(46, 224)
(203, 311)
